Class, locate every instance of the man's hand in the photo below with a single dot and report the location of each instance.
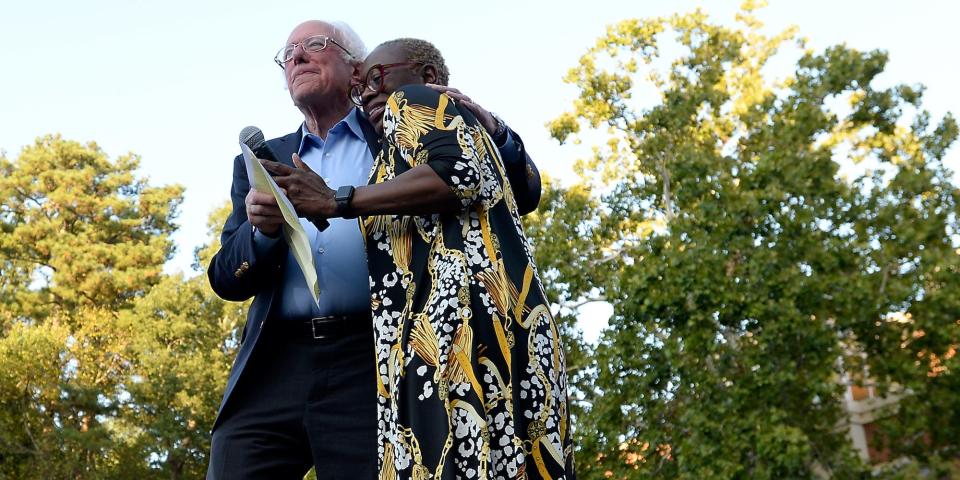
(307, 191)
(486, 118)
(263, 212)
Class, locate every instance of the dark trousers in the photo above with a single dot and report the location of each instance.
(301, 402)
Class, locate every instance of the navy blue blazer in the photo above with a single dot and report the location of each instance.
(236, 273)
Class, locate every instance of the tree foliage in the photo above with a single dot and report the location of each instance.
(80, 228)
(108, 367)
(764, 243)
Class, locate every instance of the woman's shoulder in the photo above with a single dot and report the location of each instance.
(423, 96)
(418, 93)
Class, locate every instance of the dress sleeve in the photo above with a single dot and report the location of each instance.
(427, 127)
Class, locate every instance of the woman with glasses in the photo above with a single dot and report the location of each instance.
(471, 376)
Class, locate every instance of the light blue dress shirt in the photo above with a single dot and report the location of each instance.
(339, 252)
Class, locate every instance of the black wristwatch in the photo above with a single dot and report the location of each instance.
(343, 197)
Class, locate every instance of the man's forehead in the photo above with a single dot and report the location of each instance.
(309, 29)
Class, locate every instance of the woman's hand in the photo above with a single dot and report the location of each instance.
(309, 194)
(483, 116)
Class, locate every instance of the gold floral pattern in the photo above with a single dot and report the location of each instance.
(471, 375)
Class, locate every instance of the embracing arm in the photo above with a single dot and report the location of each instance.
(449, 180)
(521, 171)
(418, 191)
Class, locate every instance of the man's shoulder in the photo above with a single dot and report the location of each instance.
(424, 96)
(290, 137)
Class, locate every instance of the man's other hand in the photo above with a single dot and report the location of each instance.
(263, 212)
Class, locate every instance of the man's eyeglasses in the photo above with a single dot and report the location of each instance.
(373, 81)
(315, 43)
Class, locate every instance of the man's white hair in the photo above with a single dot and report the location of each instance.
(349, 39)
(343, 34)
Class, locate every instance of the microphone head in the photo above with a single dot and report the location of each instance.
(252, 137)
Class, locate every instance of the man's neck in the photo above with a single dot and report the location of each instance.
(319, 121)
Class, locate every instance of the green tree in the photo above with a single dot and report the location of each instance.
(183, 343)
(80, 238)
(764, 243)
(108, 367)
(79, 229)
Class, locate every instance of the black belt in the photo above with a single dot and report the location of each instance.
(327, 327)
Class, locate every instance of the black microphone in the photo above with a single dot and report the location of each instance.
(253, 137)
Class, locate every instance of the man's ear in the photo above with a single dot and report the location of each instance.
(357, 71)
(429, 73)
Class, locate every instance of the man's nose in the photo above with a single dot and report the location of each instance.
(299, 53)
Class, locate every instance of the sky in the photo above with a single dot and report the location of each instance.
(175, 81)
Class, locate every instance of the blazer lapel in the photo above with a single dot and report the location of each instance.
(285, 146)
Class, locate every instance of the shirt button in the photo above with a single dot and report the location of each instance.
(321, 250)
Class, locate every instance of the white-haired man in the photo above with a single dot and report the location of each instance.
(302, 390)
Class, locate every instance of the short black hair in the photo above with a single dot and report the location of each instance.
(422, 51)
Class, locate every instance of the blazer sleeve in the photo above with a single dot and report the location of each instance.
(522, 173)
(236, 271)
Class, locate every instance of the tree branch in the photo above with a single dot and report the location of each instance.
(586, 301)
(667, 194)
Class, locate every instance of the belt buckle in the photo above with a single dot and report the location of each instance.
(313, 326)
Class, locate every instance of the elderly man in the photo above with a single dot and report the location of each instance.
(302, 390)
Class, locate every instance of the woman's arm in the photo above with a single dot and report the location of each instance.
(417, 191)
(522, 173)
(449, 179)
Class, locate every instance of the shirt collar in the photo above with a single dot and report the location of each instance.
(352, 121)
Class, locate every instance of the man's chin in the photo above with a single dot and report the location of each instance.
(310, 96)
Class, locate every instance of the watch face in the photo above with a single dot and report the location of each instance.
(344, 193)
(343, 197)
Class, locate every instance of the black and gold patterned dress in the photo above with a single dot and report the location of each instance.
(471, 377)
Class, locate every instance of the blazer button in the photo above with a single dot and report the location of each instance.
(243, 269)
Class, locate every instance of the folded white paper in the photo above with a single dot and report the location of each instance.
(293, 232)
